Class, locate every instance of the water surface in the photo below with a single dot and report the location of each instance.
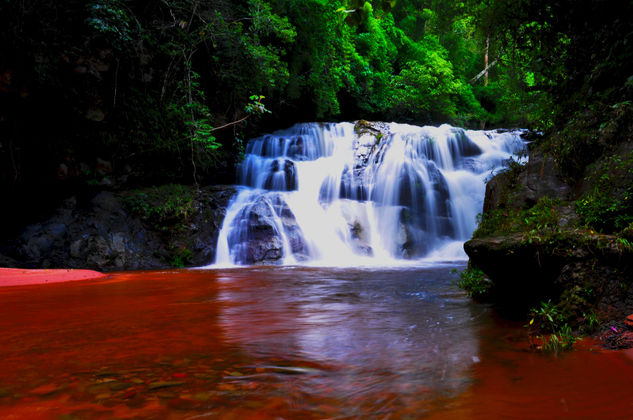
(286, 342)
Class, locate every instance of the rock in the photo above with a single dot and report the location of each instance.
(95, 114)
(163, 384)
(282, 176)
(578, 270)
(542, 178)
(76, 248)
(6, 261)
(352, 187)
(462, 145)
(103, 167)
(539, 178)
(526, 270)
(99, 233)
(256, 237)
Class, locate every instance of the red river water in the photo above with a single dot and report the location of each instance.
(287, 343)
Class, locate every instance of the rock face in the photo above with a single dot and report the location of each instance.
(539, 178)
(578, 269)
(105, 234)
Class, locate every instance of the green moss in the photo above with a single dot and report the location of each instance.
(164, 208)
(538, 220)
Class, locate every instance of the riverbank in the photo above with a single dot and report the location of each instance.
(23, 277)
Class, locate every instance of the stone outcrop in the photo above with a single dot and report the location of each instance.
(526, 270)
(104, 233)
(576, 268)
(539, 178)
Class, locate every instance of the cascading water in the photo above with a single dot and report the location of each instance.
(325, 194)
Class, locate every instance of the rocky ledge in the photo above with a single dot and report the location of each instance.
(160, 227)
(548, 241)
(581, 271)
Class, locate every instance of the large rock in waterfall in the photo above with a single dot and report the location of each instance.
(258, 232)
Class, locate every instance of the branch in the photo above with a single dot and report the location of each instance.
(230, 124)
(474, 79)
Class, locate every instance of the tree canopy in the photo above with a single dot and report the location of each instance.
(181, 83)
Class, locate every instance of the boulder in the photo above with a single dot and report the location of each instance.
(259, 232)
(539, 178)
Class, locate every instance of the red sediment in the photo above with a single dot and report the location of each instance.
(20, 276)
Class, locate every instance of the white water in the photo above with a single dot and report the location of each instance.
(319, 194)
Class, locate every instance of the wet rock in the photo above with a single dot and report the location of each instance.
(8, 262)
(462, 146)
(539, 178)
(372, 140)
(352, 187)
(297, 149)
(282, 176)
(259, 230)
(46, 390)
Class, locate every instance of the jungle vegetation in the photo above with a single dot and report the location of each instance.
(105, 92)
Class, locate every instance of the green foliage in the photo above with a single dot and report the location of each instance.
(561, 340)
(181, 257)
(256, 106)
(546, 318)
(542, 216)
(591, 322)
(165, 208)
(155, 84)
(194, 112)
(549, 326)
(474, 282)
(111, 19)
(608, 207)
(565, 61)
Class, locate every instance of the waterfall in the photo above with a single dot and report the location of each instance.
(371, 193)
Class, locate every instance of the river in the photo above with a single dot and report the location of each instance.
(288, 342)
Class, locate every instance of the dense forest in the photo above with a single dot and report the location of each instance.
(108, 93)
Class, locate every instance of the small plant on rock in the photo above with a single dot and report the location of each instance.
(474, 282)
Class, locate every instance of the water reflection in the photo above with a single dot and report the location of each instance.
(405, 331)
(283, 342)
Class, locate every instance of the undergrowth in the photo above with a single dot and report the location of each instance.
(474, 282)
(608, 207)
(549, 330)
(542, 217)
(165, 208)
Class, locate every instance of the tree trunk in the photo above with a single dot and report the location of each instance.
(486, 61)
